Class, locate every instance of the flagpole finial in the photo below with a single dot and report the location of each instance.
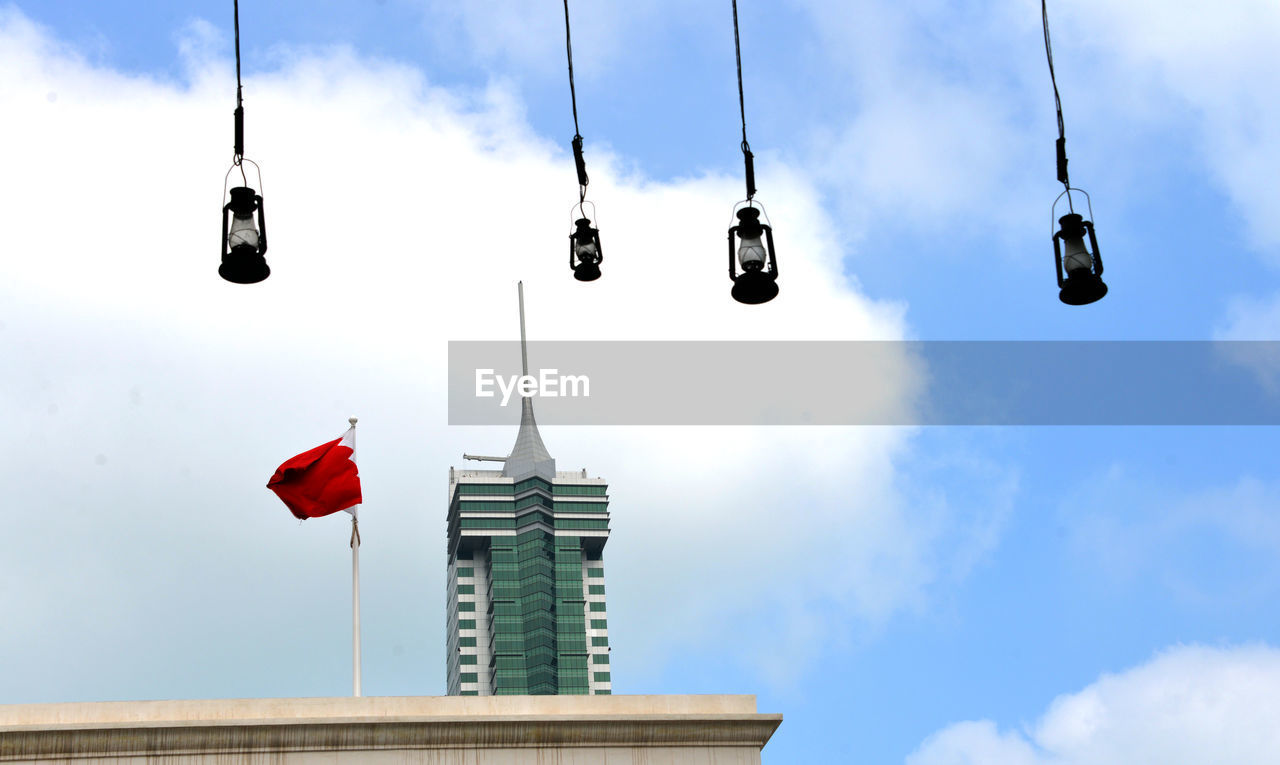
(352, 420)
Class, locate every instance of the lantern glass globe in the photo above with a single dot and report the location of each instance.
(751, 254)
(585, 251)
(243, 231)
(1077, 256)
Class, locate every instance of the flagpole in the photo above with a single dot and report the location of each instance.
(355, 584)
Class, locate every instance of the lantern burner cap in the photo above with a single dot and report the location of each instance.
(755, 287)
(1082, 287)
(244, 265)
(1072, 225)
(749, 226)
(243, 199)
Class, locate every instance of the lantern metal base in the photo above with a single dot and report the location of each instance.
(1082, 287)
(244, 265)
(755, 287)
(586, 272)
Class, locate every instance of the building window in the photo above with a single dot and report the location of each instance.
(594, 589)
(487, 523)
(594, 606)
(600, 658)
(602, 677)
(572, 490)
(467, 658)
(532, 483)
(468, 606)
(486, 505)
(484, 488)
(599, 641)
(470, 589)
(581, 523)
(469, 677)
(466, 624)
(593, 573)
(466, 572)
(467, 642)
(599, 624)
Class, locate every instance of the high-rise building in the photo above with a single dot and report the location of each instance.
(526, 599)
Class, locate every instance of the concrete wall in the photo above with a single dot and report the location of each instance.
(441, 730)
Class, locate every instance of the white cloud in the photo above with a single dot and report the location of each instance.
(530, 36)
(936, 125)
(1175, 539)
(1190, 704)
(1248, 331)
(1250, 318)
(1216, 60)
(149, 401)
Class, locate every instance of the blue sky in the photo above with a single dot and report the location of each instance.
(945, 595)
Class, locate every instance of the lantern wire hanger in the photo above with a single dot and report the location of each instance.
(244, 241)
(756, 284)
(585, 252)
(1082, 264)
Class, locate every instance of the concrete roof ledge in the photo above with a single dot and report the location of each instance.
(230, 726)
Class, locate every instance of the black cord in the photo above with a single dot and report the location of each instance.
(239, 147)
(568, 47)
(737, 51)
(239, 87)
(579, 161)
(747, 156)
(1057, 99)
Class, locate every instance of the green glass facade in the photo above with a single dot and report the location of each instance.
(520, 557)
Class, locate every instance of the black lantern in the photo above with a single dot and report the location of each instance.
(244, 239)
(753, 250)
(1079, 264)
(585, 253)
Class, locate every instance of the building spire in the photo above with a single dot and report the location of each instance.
(524, 345)
(529, 456)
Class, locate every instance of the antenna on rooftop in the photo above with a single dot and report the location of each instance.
(482, 458)
(524, 349)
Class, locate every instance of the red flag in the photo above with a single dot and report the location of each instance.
(320, 481)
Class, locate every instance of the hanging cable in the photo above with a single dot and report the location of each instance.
(1057, 100)
(747, 156)
(578, 160)
(239, 147)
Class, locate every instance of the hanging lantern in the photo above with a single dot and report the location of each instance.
(1081, 263)
(751, 247)
(244, 223)
(244, 238)
(585, 253)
